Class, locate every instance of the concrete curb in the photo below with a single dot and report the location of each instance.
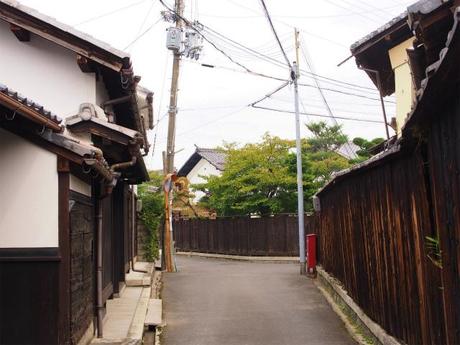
(136, 330)
(267, 259)
(362, 328)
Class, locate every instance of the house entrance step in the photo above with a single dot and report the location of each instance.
(154, 315)
(139, 278)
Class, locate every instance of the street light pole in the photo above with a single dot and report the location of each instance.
(300, 210)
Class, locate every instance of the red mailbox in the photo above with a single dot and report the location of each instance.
(311, 254)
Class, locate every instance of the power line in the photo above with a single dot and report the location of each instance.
(145, 19)
(260, 55)
(364, 16)
(344, 92)
(142, 34)
(270, 94)
(207, 40)
(279, 63)
(292, 27)
(109, 13)
(267, 14)
(318, 115)
(300, 84)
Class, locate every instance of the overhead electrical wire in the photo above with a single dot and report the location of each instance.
(268, 95)
(267, 14)
(318, 86)
(289, 25)
(279, 63)
(260, 55)
(207, 40)
(142, 34)
(109, 13)
(160, 105)
(345, 93)
(311, 67)
(248, 70)
(364, 16)
(317, 115)
(326, 16)
(139, 31)
(207, 65)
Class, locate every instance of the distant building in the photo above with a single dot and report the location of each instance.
(348, 150)
(203, 162)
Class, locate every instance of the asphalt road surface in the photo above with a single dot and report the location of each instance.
(222, 302)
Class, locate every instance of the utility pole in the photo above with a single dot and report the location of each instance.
(300, 211)
(168, 157)
(179, 9)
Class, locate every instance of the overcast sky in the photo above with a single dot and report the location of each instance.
(213, 102)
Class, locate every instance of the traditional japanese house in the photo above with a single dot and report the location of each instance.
(73, 124)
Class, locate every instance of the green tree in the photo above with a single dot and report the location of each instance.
(151, 194)
(366, 145)
(321, 153)
(261, 178)
(256, 180)
(325, 138)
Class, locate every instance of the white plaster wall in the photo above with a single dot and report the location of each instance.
(79, 186)
(202, 168)
(29, 194)
(404, 87)
(44, 72)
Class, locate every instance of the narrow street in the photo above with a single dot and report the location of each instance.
(221, 302)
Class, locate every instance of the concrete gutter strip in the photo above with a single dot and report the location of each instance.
(378, 332)
(270, 259)
(136, 330)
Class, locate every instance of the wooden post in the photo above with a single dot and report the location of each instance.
(63, 169)
(179, 8)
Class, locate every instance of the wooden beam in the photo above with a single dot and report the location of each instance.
(85, 64)
(63, 168)
(21, 34)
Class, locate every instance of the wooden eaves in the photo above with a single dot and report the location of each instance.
(31, 114)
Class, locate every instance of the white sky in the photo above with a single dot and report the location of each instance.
(212, 102)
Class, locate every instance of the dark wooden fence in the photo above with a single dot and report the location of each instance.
(371, 229)
(267, 236)
(374, 221)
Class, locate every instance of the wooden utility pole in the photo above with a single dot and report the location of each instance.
(168, 157)
(179, 9)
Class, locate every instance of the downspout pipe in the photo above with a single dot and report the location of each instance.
(124, 165)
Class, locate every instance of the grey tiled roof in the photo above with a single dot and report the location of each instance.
(213, 156)
(379, 31)
(421, 6)
(29, 103)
